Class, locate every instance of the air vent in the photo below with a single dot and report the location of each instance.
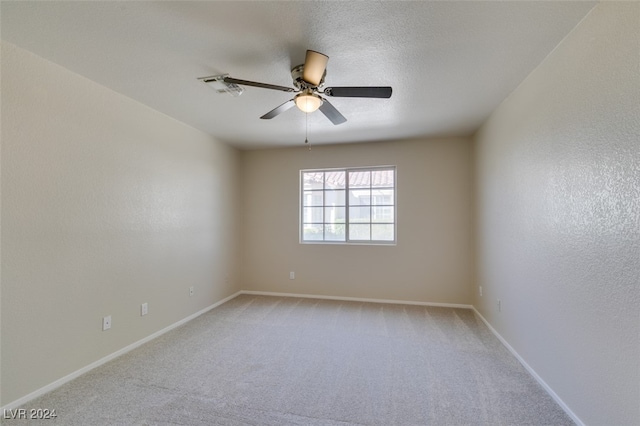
(219, 85)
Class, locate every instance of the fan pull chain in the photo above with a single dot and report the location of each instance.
(306, 130)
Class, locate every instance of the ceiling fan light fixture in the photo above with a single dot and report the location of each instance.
(308, 102)
(308, 80)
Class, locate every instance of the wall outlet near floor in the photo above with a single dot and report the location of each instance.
(191, 291)
(499, 305)
(144, 309)
(480, 290)
(106, 323)
(292, 275)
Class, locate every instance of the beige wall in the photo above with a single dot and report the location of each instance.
(432, 261)
(558, 188)
(106, 204)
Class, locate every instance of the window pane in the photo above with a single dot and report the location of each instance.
(312, 215)
(334, 180)
(361, 197)
(334, 215)
(382, 214)
(334, 198)
(382, 232)
(312, 180)
(312, 198)
(360, 179)
(359, 214)
(382, 196)
(380, 178)
(312, 233)
(334, 232)
(359, 232)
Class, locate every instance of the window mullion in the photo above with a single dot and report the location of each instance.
(370, 207)
(324, 207)
(347, 206)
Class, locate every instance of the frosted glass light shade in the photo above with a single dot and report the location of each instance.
(308, 102)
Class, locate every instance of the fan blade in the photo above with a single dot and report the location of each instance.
(315, 64)
(358, 92)
(279, 110)
(332, 113)
(256, 84)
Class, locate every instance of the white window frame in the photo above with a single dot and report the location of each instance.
(347, 205)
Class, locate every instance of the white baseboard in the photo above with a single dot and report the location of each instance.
(357, 299)
(531, 371)
(51, 386)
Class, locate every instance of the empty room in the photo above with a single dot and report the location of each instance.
(320, 213)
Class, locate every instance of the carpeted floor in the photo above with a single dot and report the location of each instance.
(259, 360)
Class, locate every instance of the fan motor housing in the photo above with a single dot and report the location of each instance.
(297, 73)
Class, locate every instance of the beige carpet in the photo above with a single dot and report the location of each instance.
(259, 360)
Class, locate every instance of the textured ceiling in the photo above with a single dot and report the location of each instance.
(450, 63)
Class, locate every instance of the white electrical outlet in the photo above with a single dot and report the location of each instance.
(480, 290)
(191, 291)
(499, 305)
(292, 275)
(144, 309)
(106, 323)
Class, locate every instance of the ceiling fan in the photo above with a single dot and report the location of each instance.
(308, 79)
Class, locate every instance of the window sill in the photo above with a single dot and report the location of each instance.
(343, 243)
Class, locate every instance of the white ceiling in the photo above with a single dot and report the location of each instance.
(450, 63)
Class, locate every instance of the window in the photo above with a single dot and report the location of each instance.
(355, 205)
